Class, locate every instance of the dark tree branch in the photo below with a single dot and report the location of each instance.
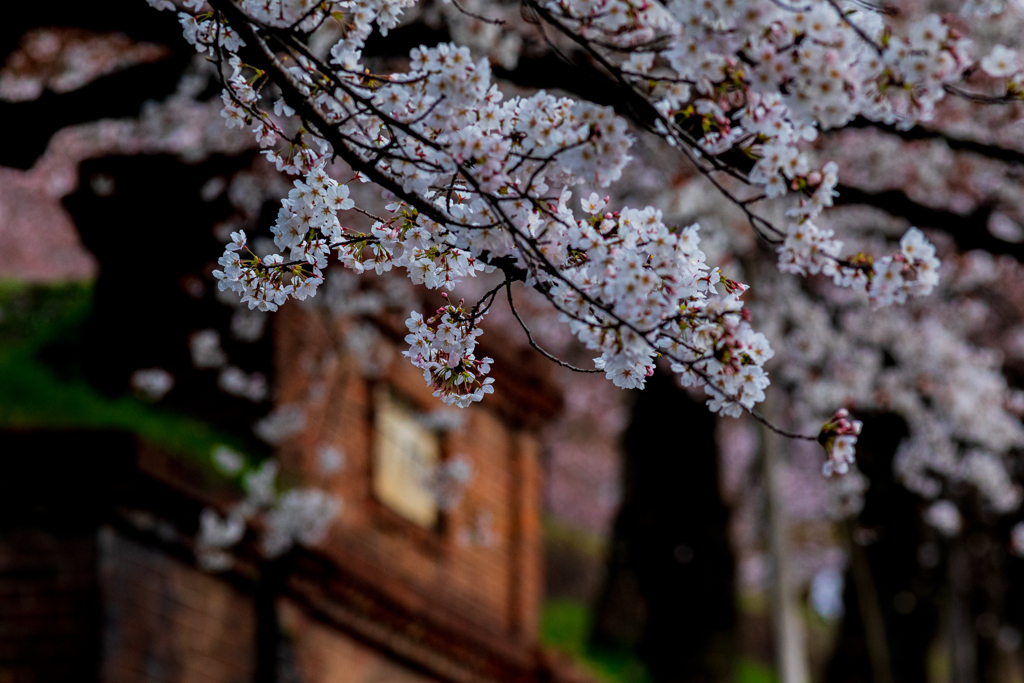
(969, 231)
(260, 54)
(956, 144)
(534, 344)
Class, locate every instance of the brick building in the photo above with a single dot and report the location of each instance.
(98, 571)
(98, 577)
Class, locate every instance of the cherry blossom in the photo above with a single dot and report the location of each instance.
(1002, 61)
(227, 460)
(297, 516)
(442, 346)
(839, 437)
(482, 184)
(205, 349)
(152, 384)
(944, 516)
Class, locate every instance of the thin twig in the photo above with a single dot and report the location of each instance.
(494, 22)
(476, 313)
(537, 262)
(529, 336)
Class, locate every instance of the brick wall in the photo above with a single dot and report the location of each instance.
(167, 622)
(81, 605)
(82, 600)
(321, 654)
(49, 607)
(482, 568)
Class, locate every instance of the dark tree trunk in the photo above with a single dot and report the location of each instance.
(669, 589)
(891, 596)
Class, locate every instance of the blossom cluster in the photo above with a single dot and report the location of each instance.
(945, 517)
(760, 79)
(762, 76)
(477, 180)
(912, 270)
(663, 300)
(205, 35)
(527, 150)
(963, 419)
(300, 516)
(442, 346)
(207, 354)
(152, 384)
(307, 226)
(839, 437)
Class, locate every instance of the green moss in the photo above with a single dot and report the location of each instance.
(33, 396)
(565, 626)
(32, 316)
(751, 671)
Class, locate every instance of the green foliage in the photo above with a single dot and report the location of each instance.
(751, 671)
(34, 396)
(584, 542)
(565, 625)
(33, 316)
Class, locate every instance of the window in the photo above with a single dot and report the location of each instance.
(405, 456)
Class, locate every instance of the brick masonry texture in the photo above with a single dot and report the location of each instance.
(167, 622)
(116, 597)
(49, 606)
(322, 654)
(492, 584)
